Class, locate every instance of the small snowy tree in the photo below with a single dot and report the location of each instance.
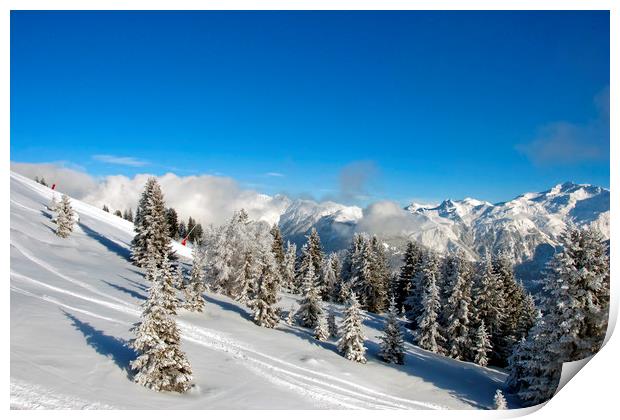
(392, 343)
(53, 203)
(482, 345)
(320, 331)
(161, 365)
(499, 401)
(290, 318)
(351, 343)
(332, 326)
(310, 307)
(194, 290)
(65, 217)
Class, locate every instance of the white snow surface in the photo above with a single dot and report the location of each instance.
(74, 300)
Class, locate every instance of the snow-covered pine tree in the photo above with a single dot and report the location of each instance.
(315, 252)
(392, 343)
(194, 290)
(348, 266)
(528, 316)
(288, 271)
(411, 262)
(499, 401)
(151, 226)
(128, 215)
(534, 369)
(172, 219)
(513, 300)
(320, 331)
(179, 279)
(482, 345)
(489, 300)
(380, 277)
(575, 311)
(182, 229)
(267, 284)
(65, 217)
(290, 318)
(160, 365)
(329, 278)
(457, 309)
(578, 294)
(104, 208)
(428, 334)
(277, 247)
(413, 303)
(332, 326)
(118, 213)
(362, 278)
(337, 268)
(351, 342)
(310, 309)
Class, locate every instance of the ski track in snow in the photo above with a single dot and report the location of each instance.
(338, 392)
(26, 396)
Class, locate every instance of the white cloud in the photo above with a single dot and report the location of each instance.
(210, 199)
(388, 218)
(120, 160)
(71, 181)
(274, 174)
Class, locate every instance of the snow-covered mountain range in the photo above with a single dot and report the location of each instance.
(528, 227)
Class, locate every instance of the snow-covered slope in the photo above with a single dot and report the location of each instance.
(73, 301)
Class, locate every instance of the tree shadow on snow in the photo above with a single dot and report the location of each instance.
(227, 306)
(130, 292)
(107, 345)
(307, 334)
(136, 284)
(112, 246)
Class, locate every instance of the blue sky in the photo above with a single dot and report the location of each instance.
(346, 105)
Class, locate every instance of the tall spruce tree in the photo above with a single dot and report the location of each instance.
(265, 293)
(482, 345)
(575, 314)
(380, 277)
(332, 326)
(194, 290)
(351, 343)
(489, 301)
(411, 261)
(413, 303)
(329, 279)
(277, 247)
(310, 309)
(315, 252)
(288, 270)
(150, 226)
(172, 219)
(160, 365)
(428, 334)
(65, 217)
(457, 309)
(392, 342)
